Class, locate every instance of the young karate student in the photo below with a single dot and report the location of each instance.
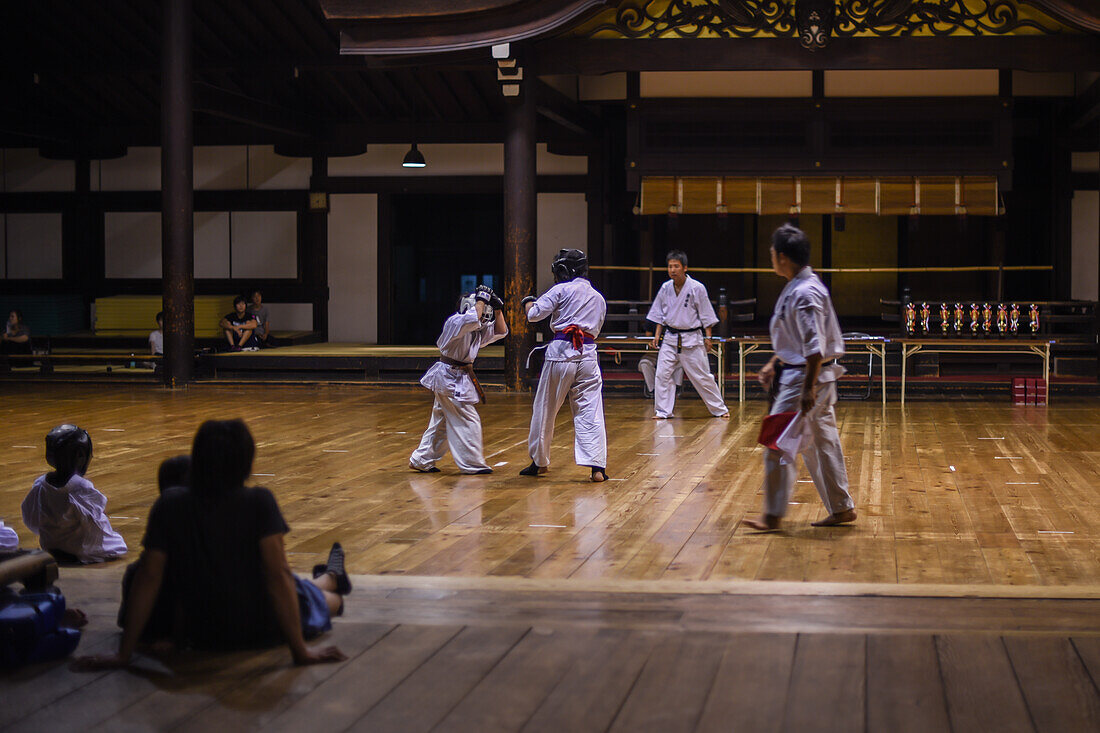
(64, 509)
(576, 312)
(478, 323)
(806, 337)
(684, 318)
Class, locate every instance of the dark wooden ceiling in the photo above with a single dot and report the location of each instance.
(82, 73)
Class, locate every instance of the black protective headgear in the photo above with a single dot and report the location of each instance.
(569, 263)
(69, 449)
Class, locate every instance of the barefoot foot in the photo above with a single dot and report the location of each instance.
(832, 520)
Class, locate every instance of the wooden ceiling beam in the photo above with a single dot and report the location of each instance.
(1086, 107)
(252, 112)
(560, 109)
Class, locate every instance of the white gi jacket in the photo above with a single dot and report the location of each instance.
(72, 518)
(805, 323)
(690, 309)
(462, 337)
(574, 303)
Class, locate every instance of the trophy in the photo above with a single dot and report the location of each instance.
(925, 317)
(987, 319)
(974, 315)
(910, 319)
(959, 315)
(1034, 311)
(945, 319)
(1014, 319)
(1002, 319)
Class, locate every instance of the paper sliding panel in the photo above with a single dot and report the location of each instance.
(777, 195)
(979, 195)
(700, 195)
(658, 194)
(859, 195)
(896, 195)
(739, 195)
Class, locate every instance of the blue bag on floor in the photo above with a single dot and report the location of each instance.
(30, 629)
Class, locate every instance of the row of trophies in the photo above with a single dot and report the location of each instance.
(981, 320)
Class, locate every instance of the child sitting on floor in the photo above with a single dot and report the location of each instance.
(174, 471)
(64, 509)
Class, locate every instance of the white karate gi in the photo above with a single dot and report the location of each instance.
(9, 540)
(688, 309)
(454, 420)
(569, 372)
(72, 518)
(805, 323)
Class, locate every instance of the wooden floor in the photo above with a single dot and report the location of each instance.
(967, 597)
(966, 493)
(478, 655)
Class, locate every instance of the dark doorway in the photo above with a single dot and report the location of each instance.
(442, 246)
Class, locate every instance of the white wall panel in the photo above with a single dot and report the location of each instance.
(726, 83)
(138, 170)
(1086, 245)
(448, 160)
(353, 268)
(212, 244)
(290, 316)
(266, 170)
(220, 167)
(912, 83)
(265, 244)
(34, 246)
(22, 169)
(562, 224)
(131, 244)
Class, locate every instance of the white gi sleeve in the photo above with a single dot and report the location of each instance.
(489, 333)
(9, 540)
(457, 326)
(809, 310)
(546, 304)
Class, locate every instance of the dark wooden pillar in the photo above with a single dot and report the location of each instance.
(520, 206)
(314, 252)
(177, 193)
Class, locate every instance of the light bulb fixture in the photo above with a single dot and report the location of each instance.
(414, 158)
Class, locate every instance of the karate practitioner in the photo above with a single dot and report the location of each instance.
(806, 337)
(64, 509)
(478, 322)
(576, 312)
(684, 318)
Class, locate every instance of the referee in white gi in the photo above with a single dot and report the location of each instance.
(806, 337)
(684, 318)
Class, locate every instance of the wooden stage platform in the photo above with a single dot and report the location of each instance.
(967, 595)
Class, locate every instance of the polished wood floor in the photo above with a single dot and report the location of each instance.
(956, 493)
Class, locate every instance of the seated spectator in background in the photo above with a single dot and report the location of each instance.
(174, 471)
(263, 324)
(9, 540)
(156, 338)
(240, 327)
(64, 509)
(16, 338)
(218, 544)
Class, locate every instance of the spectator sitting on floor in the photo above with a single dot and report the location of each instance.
(156, 338)
(64, 509)
(240, 327)
(219, 545)
(174, 471)
(263, 320)
(16, 338)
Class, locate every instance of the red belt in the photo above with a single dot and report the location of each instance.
(575, 334)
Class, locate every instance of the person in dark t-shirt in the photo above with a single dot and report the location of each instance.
(220, 546)
(240, 327)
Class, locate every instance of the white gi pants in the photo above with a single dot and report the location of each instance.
(457, 425)
(823, 456)
(647, 365)
(693, 360)
(582, 382)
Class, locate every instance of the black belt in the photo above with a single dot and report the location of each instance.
(780, 367)
(679, 335)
